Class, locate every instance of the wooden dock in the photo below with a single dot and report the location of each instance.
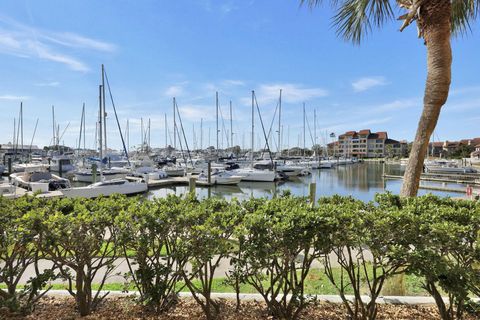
(172, 181)
(437, 178)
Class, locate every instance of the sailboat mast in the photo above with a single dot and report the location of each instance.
(81, 129)
(216, 103)
(104, 112)
(21, 128)
(253, 126)
(149, 128)
(280, 122)
(100, 127)
(231, 126)
(314, 127)
(304, 129)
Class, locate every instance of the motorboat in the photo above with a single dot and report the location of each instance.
(86, 175)
(174, 171)
(251, 174)
(148, 173)
(34, 166)
(42, 181)
(106, 188)
(221, 177)
(287, 169)
(67, 164)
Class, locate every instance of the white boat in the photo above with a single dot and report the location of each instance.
(287, 169)
(449, 169)
(22, 167)
(86, 175)
(39, 181)
(106, 188)
(67, 164)
(174, 171)
(148, 173)
(255, 175)
(221, 177)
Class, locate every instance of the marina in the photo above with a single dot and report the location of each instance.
(360, 180)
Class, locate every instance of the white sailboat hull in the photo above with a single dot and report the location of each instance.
(97, 189)
(255, 175)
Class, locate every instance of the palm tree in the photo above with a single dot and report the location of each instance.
(436, 20)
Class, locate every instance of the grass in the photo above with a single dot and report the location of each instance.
(316, 283)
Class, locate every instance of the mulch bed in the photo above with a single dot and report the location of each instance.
(53, 308)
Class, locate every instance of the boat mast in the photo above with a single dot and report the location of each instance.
(216, 103)
(315, 130)
(304, 130)
(104, 112)
(81, 129)
(279, 122)
(149, 145)
(253, 127)
(231, 126)
(21, 128)
(100, 127)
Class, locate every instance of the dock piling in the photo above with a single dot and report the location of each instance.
(9, 168)
(313, 190)
(94, 172)
(209, 172)
(191, 185)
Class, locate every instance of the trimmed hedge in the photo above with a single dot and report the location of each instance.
(174, 243)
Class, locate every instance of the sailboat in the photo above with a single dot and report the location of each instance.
(252, 174)
(103, 187)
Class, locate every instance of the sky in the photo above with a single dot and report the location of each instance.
(51, 52)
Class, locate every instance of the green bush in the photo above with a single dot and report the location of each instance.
(173, 243)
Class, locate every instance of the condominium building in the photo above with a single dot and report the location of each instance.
(367, 144)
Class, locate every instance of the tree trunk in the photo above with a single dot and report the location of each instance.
(434, 20)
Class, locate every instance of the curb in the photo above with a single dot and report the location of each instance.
(397, 300)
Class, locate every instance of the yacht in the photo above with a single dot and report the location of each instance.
(106, 188)
(86, 175)
(251, 174)
(67, 164)
(221, 177)
(148, 173)
(39, 181)
(288, 169)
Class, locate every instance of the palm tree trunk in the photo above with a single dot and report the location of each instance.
(435, 22)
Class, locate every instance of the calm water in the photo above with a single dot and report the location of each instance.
(360, 180)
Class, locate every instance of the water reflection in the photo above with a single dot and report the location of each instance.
(361, 181)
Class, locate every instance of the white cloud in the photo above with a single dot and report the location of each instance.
(291, 93)
(48, 84)
(396, 105)
(231, 82)
(24, 41)
(174, 91)
(366, 83)
(195, 112)
(13, 97)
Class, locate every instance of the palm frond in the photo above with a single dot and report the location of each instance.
(463, 12)
(354, 19)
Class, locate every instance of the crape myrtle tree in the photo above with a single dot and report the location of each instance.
(436, 20)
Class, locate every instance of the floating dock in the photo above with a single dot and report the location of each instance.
(172, 181)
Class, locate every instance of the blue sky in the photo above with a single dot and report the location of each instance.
(51, 52)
